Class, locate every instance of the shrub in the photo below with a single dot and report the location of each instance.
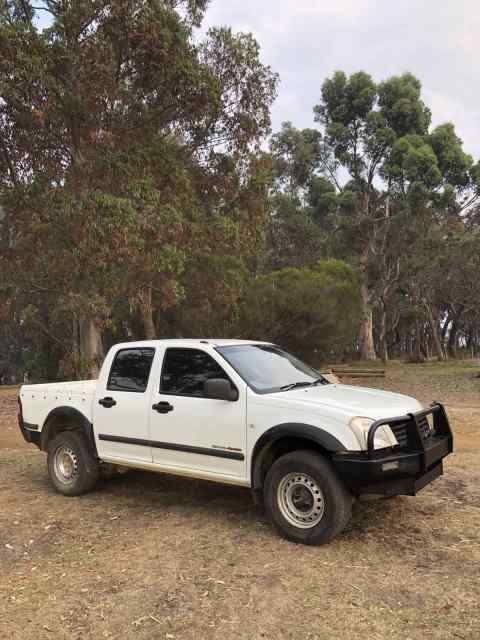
(304, 310)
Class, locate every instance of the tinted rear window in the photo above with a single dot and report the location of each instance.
(130, 370)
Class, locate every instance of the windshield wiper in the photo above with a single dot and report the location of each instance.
(296, 385)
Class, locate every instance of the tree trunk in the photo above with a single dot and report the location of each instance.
(146, 311)
(91, 347)
(434, 325)
(365, 335)
(444, 329)
(410, 345)
(383, 334)
(452, 340)
(418, 343)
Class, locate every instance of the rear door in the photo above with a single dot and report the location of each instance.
(191, 431)
(122, 406)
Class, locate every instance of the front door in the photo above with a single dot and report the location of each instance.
(122, 407)
(189, 430)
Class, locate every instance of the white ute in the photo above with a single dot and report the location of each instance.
(239, 412)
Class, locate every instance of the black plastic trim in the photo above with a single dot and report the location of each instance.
(30, 435)
(399, 471)
(290, 430)
(69, 412)
(216, 453)
(400, 486)
(419, 443)
(360, 472)
(299, 430)
(30, 426)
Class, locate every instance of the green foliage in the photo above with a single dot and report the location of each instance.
(305, 310)
(294, 235)
(296, 155)
(137, 201)
(130, 149)
(453, 162)
(213, 286)
(412, 161)
(373, 185)
(345, 100)
(400, 103)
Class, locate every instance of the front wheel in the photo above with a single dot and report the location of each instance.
(305, 499)
(71, 467)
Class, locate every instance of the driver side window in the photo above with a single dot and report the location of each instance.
(185, 371)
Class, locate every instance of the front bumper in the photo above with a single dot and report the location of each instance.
(425, 439)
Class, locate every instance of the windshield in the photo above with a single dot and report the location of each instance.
(267, 368)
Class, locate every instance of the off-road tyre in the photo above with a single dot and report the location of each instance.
(72, 468)
(305, 499)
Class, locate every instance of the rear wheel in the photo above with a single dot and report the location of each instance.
(71, 467)
(305, 499)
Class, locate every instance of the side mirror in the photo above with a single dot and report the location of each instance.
(220, 389)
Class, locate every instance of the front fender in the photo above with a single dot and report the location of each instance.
(303, 431)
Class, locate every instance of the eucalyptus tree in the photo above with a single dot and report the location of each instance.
(122, 140)
(368, 186)
(394, 166)
(294, 239)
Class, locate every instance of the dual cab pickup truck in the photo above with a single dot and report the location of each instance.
(239, 412)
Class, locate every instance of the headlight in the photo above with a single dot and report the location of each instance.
(383, 436)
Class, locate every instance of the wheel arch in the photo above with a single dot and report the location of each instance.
(67, 419)
(284, 438)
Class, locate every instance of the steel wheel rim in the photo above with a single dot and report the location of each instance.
(65, 464)
(300, 500)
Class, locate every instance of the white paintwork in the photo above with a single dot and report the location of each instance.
(203, 422)
(39, 399)
(129, 418)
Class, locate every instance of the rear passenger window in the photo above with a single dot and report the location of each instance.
(130, 370)
(185, 371)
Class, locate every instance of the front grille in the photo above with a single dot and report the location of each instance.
(400, 431)
(421, 432)
(404, 431)
(425, 429)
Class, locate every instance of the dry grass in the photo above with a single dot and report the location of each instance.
(150, 556)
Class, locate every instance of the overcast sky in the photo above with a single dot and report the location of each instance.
(306, 40)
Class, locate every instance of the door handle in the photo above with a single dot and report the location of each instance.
(163, 407)
(107, 402)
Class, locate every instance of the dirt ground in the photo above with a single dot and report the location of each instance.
(156, 557)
